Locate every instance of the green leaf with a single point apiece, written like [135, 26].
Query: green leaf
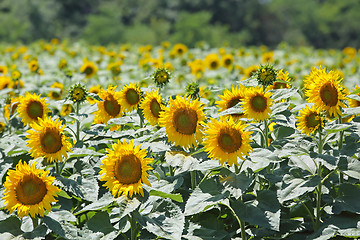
[337, 128]
[82, 152]
[176, 197]
[293, 188]
[62, 228]
[11, 225]
[38, 233]
[279, 107]
[204, 196]
[236, 184]
[104, 201]
[126, 206]
[165, 219]
[100, 222]
[304, 162]
[348, 199]
[352, 111]
[284, 93]
[350, 167]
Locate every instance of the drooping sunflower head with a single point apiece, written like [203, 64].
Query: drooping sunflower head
[78, 93]
[29, 190]
[226, 141]
[230, 98]
[48, 140]
[161, 77]
[124, 170]
[310, 120]
[182, 121]
[130, 97]
[89, 69]
[110, 106]
[327, 92]
[192, 89]
[266, 75]
[32, 108]
[257, 103]
[212, 61]
[152, 106]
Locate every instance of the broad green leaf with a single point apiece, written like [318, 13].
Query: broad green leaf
[284, 93]
[126, 205]
[11, 225]
[100, 222]
[82, 152]
[165, 219]
[350, 167]
[62, 215]
[337, 128]
[204, 196]
[104, 201]
[62, 228]
[279, 107]
[304, 162]
[293, 188]
[176, 197]
[236, 184]
[348, 199]
[197, 231]
[38, 233]
[352, 111]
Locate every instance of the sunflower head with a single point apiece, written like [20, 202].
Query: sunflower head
[230, 98]
[47, 140]
[226, 141]
[152, 106]
[77, 93]
[256, 104]
[266, 75]
[33, 66]
[62, 64]
[353, 102]
[179, 49]
[15, 75]
[192, 90]
[182, 121]
[3, 70]
[161, 77]
[124, 170]
[212, 61]
[32, 108]
[310, 120]
[28, 190]
[227, 61]
[66, 109]
[2, 127]
[130, 97]
[110, 107]
[89, 69]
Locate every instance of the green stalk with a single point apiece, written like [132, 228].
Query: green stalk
[241, 222]
[318, 188]
[341, 175]
[193, 179]
[133, 228]
[266, 133]
[77, 123]
[35, 222]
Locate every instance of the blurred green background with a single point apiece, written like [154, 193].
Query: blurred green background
[319, 23]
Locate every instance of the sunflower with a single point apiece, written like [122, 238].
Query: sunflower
[62, 64]
[89, 69]
[2, 127]
[256, 104]
[266, 75]
[212, 61]
[231, 98]
[15, 75]
[32, 108]
[309, 120]
[197, 68]
[179, 49]
[47, 140]
[182, 121]
[77, 93]
[151, 106]
[10, 107]
[130, 97]
[5, 82]
[326, 92]
[124, 169]
[66, 109]
[227, 61]
[282, 80]
[250, 71]
[29, 190]
[110, 106]
[226, 141]
[33, 66]
[3, 70]
[353, 102]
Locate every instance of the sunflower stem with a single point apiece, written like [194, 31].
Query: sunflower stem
[35, 222]
[133, 228]
[193, 179]
[266, 133]
[318, 188]
[57, 169]
[77, 123]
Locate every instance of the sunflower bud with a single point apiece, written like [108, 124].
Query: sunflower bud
[161, 77]
[78, 93]
[192, 89]
[266, 75]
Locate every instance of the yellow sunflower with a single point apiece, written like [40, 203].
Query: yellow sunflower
[10, 107]
[226, 141]
[326, 92]
[256, 104]
[227, 61]
[230, 99]
[29, 190]
[110, 106]
[32, 108]
[182, 121]
[3, 70]
[5, 82]
[33, 65]
[47, 140]
[179, 49]
[309, 120]
[353, 102]
[212, 61]
[125, 169]
[89, 69]
[2, 127]
[151, 106]
[66, 109]
[282, 80]
[130, 97]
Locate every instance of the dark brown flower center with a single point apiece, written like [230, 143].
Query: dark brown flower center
[329, 94]
[229, 140]
[111, 106]
[127, 169]
[185, 121]
[31, 190]
[50, 140]
[35, 109]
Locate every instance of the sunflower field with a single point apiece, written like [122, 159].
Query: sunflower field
[172, 142]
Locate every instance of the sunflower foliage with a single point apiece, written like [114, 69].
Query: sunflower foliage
[225, 157]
